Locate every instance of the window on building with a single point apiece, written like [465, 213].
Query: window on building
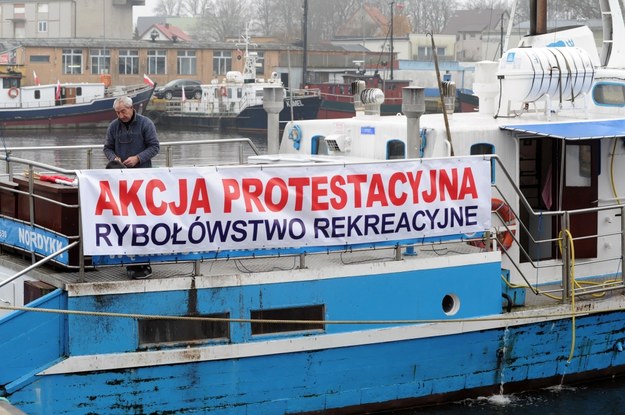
[19, 10]
[260, 62]
[222, 62]
[42, 26]
[128, 62]
[159, 331]
[186, 62]
[157, 62]
[42, 8]
[314, 313]
[72, 61]
[100, 61]
[40, 58]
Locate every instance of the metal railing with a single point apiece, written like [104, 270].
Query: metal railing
[564, 240]
[566, 260]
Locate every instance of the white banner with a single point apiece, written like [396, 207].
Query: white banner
[207, 209]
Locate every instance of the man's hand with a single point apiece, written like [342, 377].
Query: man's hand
[132, 161]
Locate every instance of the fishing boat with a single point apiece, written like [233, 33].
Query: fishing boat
[337, 98]
[63, 105]
[373, 263]
[235, 103]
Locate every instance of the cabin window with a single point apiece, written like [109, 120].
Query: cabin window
[159, 331]
[578, 165]
[10, 83]
[222, 61]
[609, 94]
[157, 62]
[395, 149]
[37, 94]
[100, 61]
[315, 314]
[485, 148]
[186, 62]
[72, 61]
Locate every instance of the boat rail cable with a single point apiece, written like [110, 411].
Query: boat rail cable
[495, 317]
[440, 92]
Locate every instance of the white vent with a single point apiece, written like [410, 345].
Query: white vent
[337, 143]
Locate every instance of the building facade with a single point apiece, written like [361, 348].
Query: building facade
[105, 19]
[123, 62]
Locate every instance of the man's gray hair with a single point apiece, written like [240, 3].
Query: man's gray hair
[126, 101]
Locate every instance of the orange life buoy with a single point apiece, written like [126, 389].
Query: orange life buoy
[223, 91]
[505, 238]
[14, 92]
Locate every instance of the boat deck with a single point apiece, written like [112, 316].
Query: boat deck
[60, 277]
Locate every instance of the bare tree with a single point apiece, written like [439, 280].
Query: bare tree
[225, 18]
[429, 15]
[168, 8]
[264, 11]
[487, 5]
[194, 8]
[326, 16]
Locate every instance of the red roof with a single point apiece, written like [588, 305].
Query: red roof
[170, 32]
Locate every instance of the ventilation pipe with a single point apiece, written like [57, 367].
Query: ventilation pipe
[357, 88]
[413, 107]
[273, 103]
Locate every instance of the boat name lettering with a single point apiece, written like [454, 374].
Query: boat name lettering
[294, 103]
[38, 241]
[276, 194]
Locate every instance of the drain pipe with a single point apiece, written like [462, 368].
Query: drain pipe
[273, 103]
[413, 107]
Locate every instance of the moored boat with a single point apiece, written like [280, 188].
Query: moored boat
[63, 105]
[236, 102]
[374, 263]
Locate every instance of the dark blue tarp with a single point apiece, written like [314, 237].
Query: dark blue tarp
[582, 130]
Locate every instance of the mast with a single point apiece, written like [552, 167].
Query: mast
[305, 38]
[391, 57]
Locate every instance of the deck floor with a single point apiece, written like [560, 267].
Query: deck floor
[59, 277]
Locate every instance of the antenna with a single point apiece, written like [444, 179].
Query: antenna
[249, 68]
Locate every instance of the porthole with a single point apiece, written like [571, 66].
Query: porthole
[450, 304]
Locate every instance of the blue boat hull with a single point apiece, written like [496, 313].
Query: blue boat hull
[356, 379]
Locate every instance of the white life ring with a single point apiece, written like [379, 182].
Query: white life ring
[13, 92]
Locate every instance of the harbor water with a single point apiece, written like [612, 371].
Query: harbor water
[606, 398]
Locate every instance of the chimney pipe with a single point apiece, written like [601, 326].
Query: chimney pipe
[413, 107]
[273, 102]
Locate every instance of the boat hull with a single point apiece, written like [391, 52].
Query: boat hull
[346, 380]
[252, 119]
[96, 113]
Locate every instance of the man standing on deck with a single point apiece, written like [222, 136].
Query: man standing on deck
[131, 140]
